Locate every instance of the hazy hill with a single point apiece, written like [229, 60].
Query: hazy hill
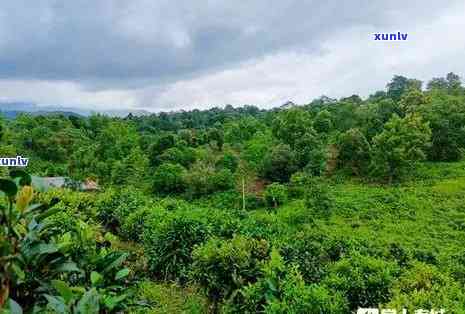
[12, 109]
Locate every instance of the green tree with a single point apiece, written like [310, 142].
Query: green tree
[402, 142]
[256, 148]
[372, 117]
[290, 125]
[310, 152]
[318, 196]
[279, 163]
[446, 117]
[353, 151]
[412, 100]
[437, 83]
[169, 179]
[451, 84]
[454, 84]
[322, 122]
[183, 155]
[228, 161]
[132, 169]
[203, 179]
[216, 135]
[161, 144]
[241, 130]
[187, 136]
[400, 84]
[275, 194]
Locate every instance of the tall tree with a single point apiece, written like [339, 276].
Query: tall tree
[412, 100]
[437, 83]
[402, 142]
[216, 135]
[290, 125]
[353, 151]
[400, 84]
[446, 117]
[279, 163]
[450, 84]
[454, 84]
[322, 122]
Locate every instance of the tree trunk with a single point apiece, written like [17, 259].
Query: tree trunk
[243, 193]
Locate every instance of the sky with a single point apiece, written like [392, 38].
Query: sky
[169, 55]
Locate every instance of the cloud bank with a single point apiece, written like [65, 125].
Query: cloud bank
[164, 55]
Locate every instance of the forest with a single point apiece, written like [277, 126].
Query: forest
[323, 207]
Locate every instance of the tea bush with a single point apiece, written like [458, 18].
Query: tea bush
[365, 281]
[221, 267]
[169, 243]
[281, 289]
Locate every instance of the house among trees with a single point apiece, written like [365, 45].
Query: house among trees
[65, 182]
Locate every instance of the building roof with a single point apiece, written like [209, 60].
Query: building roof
[66, 182]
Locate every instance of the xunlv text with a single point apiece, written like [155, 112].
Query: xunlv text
[390, 36]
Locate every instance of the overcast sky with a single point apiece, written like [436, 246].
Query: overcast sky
[169, 55]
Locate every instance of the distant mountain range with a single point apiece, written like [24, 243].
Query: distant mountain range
[12, 109]
[11, 114]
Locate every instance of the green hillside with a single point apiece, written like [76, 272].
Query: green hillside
[320, 208]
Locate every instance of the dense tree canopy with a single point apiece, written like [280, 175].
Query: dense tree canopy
[315, 208]
[403, 141]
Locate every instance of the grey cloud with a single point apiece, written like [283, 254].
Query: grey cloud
[130, 44]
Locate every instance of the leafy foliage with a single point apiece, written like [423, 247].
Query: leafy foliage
[366, 281]
[169, 179]
[402, 142]
[275, 194]
[223, 266]
[169, 244]
[36, 257]
[366, 211]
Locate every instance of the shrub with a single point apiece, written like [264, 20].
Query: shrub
[224, 223]
[222, 266]
[115, 205]
[318, 196]
[275, 194]
[253, 201]
[169, 243]
[281, 289]
[222, 180]
[312, 252]
[296, 297]
[354, 151]
[169, 179]
[183, 156]
[135, 223]
[37, 258]
[204, 180]
[82, 205]
[279, 163]
[298, 183]
[365, 281]
[424, 286]
[228, 161]
[172, 204]
[61, 222]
